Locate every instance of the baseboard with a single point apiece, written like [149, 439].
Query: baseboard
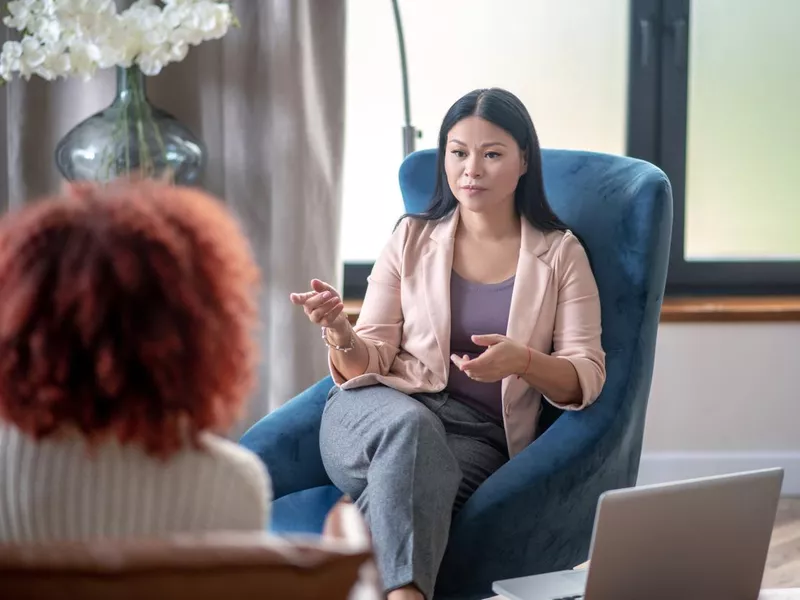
[659, 467]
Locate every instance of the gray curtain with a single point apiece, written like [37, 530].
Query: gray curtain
[268, 101]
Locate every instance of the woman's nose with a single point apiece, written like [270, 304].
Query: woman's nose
[473, 168]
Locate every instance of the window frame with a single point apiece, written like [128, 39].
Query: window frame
[657, 126]
[355, 279]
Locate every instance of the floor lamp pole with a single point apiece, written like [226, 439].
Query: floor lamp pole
[410, 132]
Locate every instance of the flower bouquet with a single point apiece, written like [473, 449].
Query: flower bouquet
[75, 38]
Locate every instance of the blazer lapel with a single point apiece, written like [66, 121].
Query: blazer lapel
[530, 287]
[437, 266]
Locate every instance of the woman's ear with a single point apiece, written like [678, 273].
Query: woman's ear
[523, 164]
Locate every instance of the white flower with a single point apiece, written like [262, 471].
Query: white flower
[33, 56]
[19, 14]
[83, 59]
[65, 38]
[215, 19]
[187, 35]
[53, 67]
[178, 51]
[48, 31]
[10, 59]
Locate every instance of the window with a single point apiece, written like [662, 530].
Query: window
[705, 89]
[566, 60]
[714, 96]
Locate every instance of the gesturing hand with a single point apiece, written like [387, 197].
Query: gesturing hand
[322, 304]
[502, 358]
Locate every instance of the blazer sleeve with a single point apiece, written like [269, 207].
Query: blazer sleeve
[576, 336]
[380, 323]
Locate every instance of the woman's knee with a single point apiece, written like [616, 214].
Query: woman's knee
[367, 417]
[417, 421]
[378, 405]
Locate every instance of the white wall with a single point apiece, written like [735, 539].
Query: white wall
[725, 397]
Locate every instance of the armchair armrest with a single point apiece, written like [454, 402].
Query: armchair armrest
[287, 441]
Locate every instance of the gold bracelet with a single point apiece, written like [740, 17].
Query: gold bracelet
[339, 348]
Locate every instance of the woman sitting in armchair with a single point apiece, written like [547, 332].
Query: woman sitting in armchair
[474, 312]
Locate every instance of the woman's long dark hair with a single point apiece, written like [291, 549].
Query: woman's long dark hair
[505, 110]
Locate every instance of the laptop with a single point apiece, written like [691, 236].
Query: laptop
[700, 539]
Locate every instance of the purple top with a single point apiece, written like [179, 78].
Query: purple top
[476, 309]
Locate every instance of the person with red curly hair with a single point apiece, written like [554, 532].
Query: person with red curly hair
[126, 320]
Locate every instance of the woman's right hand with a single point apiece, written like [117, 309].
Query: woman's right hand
[323, 305]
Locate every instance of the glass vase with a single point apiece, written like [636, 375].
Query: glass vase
[131, 138]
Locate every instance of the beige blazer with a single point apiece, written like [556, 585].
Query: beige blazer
[405, 318]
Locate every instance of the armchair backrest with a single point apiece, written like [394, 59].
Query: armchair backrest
[621, 208]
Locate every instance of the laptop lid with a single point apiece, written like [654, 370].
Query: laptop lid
[695, 539]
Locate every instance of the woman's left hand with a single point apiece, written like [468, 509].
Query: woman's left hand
[504, 357]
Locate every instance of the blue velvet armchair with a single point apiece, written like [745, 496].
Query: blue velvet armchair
[535, 514]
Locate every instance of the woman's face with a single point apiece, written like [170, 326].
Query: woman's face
[483, 164]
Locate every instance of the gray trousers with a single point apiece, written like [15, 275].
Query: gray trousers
[409, 463]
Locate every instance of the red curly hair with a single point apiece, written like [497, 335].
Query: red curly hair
[127, 310]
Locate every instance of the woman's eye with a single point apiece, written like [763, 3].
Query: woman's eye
[458, 153]
[492, 154]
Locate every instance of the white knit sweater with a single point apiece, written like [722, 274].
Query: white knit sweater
[54, 490]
